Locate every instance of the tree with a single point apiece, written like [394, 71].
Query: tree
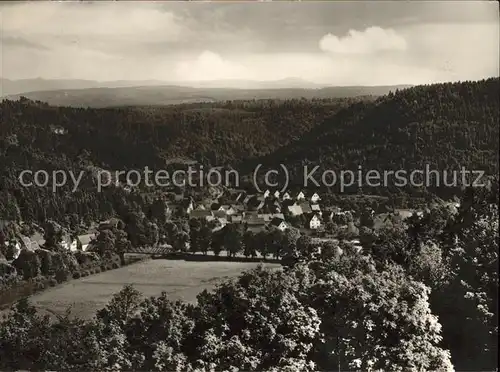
[159, 333]
[249, 249]
[53, 235]
[232, 239]
[205, 238]
[373, 320]
[28, 264]
[105, 242]
[122, 307]
[233, 331]
[468, 301]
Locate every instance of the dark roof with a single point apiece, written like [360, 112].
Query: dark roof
[215, 206]
[220, 214]
[306, 208]
[255, 221]
[276, 221]
[200, 214]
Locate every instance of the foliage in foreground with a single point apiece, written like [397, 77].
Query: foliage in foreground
[341, 312]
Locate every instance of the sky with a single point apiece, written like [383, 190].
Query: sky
[329, 43]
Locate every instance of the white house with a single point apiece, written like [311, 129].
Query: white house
[279, 224]
[300, 196]
[267, 193]
[286, 196]
[228, 209]
[276, 194]
[86, 240]
[190, 207]
[314, 223]
[315, 198]
[17, 249]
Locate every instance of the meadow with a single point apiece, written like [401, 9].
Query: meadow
[181, 280]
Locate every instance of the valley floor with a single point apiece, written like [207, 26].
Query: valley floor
[181, 280]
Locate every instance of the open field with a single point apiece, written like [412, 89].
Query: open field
[181, 280]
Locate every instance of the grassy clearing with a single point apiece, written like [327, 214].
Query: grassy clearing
[181, 280]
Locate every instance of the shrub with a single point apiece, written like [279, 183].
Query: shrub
[52, 282]
[76, 275]
[61, 276]
[40, 279]
[115, 265]
[45, 257]
[103, 267]
[86, 273]
[97, 269]
[40, 286]
[7, 270]
[27, 264]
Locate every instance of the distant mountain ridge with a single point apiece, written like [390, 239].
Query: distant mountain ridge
[13, 87]
[86, 93]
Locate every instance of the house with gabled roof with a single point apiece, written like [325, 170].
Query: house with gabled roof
[228, 209]
[254, 220]
[314, 222]
[286, 196]
[86, 240]
[236, 218]
[267, 193]
[266, 216]
[110, 224]
[202, 214]
[314, 198]
[255, 229]
[278, 223]
[276, 194]
[300, 196]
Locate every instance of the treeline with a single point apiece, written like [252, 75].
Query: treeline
[416, 293]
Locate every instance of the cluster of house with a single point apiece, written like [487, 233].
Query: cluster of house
[258, 212]
[36, 241]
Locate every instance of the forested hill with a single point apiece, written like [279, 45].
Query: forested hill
[447, 126]
[121, 138]
[36, 136]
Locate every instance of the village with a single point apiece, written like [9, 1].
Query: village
[256, 213]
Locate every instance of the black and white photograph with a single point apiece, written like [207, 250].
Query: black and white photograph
[207, 186]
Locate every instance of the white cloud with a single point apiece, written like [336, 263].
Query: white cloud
[371, 40]
[57, 22]
[210, 66]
